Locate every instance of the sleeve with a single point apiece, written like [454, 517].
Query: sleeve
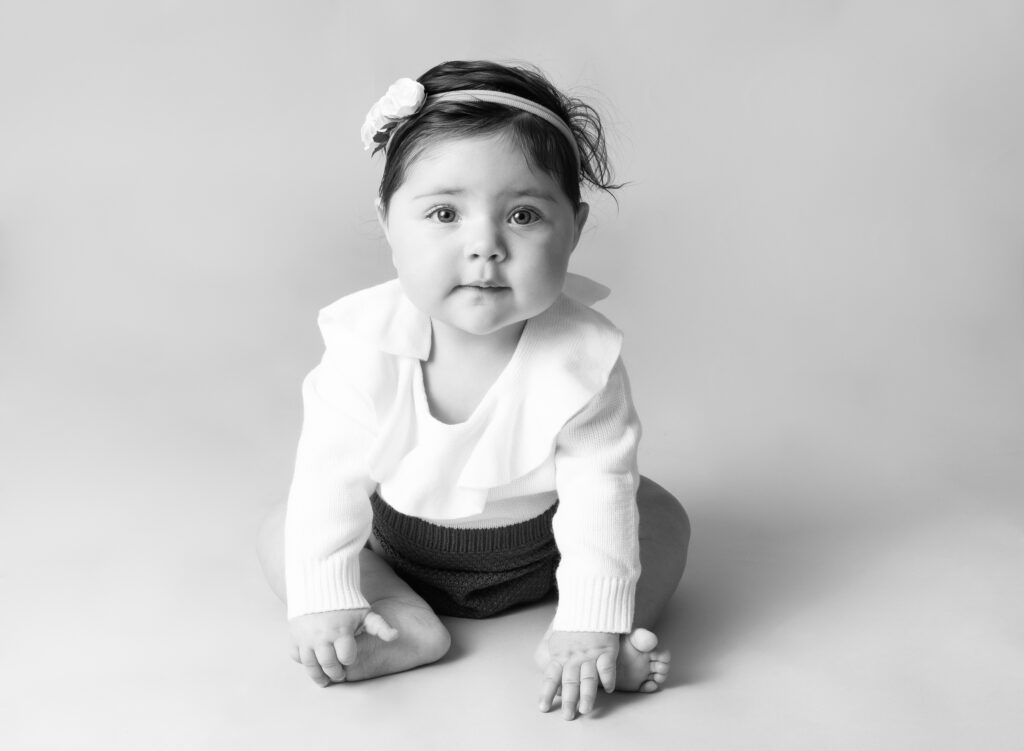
[329, 517]
[596, 524]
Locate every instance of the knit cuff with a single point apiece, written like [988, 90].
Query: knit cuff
[602, 604]
[317, 587]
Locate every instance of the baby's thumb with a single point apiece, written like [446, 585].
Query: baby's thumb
[375, 624]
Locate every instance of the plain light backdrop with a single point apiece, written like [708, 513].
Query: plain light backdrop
[817, 261]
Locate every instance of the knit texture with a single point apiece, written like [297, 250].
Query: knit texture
[469, 573]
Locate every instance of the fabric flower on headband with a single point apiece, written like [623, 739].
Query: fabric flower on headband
[403, 98]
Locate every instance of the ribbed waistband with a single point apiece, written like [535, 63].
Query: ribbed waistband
[415, 531]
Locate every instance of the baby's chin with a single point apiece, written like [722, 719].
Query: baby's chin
[491, 315]
[491, 328]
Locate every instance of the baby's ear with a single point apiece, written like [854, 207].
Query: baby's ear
[581, 220]
[381, 219]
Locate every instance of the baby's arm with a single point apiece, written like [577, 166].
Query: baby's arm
[327, 524]
[596, 529]
[325, 643]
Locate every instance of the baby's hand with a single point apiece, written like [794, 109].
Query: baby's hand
[326, 642]
[577, 660]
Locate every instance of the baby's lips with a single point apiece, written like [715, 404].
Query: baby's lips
[485, 284]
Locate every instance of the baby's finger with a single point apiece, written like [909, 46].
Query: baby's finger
[375, 624]
[570, 691]
[588, 686]
[293, 652]
[313, 669]
[328, 660]
[345, 649]
[552, 684]
[606, 669]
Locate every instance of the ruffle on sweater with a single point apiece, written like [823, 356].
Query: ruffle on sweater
[562, 361]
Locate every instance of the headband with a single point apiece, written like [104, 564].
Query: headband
[406, 97]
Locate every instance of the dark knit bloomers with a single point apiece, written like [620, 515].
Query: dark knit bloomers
[470, 573]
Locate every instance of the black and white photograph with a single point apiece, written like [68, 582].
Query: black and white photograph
[456, 375]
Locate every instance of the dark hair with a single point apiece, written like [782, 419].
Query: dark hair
[545, 146]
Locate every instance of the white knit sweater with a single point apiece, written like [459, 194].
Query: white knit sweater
[558, 422]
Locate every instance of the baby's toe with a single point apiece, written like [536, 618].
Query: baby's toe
[649, 687]
[643, 640]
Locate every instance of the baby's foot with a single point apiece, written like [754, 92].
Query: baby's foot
[640, 667]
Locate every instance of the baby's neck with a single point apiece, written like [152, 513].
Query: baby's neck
[462, 368]
[448, 342]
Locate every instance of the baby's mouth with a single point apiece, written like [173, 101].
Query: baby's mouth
[484, 286]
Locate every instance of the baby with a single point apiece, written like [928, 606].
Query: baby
[469, 441]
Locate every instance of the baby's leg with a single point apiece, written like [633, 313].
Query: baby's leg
[664, 538]
[422, 638]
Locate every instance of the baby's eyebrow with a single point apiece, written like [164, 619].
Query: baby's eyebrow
[528, 193]
[513, 194]
[440, 192]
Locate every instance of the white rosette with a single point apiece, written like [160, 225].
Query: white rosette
[403, 98]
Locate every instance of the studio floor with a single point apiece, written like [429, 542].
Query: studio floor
[131, 627]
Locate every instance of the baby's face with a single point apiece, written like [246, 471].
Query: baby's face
[480, 238]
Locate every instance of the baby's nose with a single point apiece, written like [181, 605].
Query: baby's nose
[486, 243]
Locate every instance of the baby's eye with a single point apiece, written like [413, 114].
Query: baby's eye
[524, 216]
[443, 214]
